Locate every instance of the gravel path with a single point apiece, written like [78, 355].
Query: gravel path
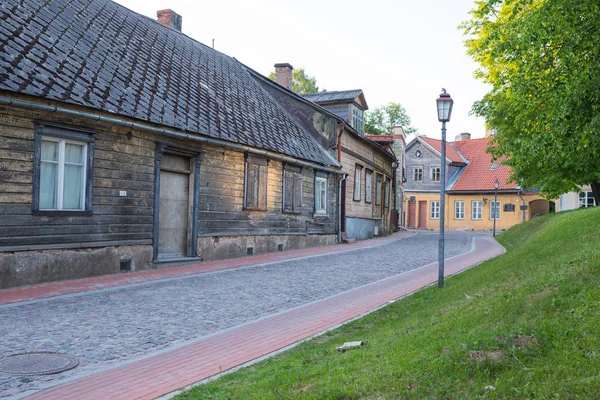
[105, 328]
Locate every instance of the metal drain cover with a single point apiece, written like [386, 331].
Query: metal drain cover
[29, 364]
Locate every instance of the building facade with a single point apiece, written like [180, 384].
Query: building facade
[471, 201]
[134, 154]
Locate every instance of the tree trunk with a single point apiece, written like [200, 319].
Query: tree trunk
[596, 191]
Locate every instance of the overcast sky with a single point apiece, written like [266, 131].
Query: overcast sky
[395, 50]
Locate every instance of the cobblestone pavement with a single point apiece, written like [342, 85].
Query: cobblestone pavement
[110, 327]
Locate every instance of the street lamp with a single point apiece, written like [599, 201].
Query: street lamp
[496, 184]
[444, 109]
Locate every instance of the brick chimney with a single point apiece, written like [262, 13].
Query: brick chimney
[283, 74]
[465, 136]
[170, 19]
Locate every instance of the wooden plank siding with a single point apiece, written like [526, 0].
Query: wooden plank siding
[124, 161]
[221, 206]
[355, 153]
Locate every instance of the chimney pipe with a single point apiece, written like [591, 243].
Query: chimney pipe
[283, 74]
[465, 136]
[170, 19]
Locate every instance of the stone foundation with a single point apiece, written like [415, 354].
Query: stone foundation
[212, 248]
[33, 267]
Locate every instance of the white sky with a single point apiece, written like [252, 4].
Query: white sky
[395, 50]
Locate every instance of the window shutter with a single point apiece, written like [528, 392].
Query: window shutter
[288, 196]
[297, 192]
[262, 185]
[251, 186]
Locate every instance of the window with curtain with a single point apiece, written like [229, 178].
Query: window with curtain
[321, 195]
[436, 173]
[357, 179]
[62, 174]
[418, 174]
[368, 186]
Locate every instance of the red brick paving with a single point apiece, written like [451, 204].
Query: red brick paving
[60, 288]
[166, 372]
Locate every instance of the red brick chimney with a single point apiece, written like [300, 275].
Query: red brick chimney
[283, 74]
[170, 19]
[465, 136]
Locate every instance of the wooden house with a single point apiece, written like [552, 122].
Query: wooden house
[125, 144]
[335, 119]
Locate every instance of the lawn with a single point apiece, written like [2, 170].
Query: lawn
[523, 325]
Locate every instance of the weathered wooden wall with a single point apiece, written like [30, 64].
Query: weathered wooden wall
[221, 208]
[119, 164]
[127, 164]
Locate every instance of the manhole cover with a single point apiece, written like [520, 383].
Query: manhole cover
[29, 364]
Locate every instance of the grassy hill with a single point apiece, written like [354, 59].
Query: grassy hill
[523, 325]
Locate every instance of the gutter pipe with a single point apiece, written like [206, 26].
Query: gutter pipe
[339, 206]
[7, 101]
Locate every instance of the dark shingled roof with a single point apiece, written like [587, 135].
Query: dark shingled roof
[328, 97]
[98, 54]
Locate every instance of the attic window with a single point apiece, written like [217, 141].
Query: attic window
[418, 154]
[494, 167]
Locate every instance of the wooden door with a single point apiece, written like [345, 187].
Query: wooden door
[412, 214]
[174, 206]
[422, 214]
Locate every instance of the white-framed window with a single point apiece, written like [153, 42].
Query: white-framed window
[357, 181]
[418, 174]
[63, 172]
[357, 120]
[320, 195]
[368, 186]
[459, 209]
[434, 211]
[477, 210]
[436, 173]
[495, 210]
[586, 199]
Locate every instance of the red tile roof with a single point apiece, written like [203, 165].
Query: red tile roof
[477, 175]
[451, 154]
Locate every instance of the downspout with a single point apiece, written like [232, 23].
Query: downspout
[339, 206]
[29, 105]
[340, 127]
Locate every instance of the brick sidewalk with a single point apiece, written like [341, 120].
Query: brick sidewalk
[174, 369]
[52, 289]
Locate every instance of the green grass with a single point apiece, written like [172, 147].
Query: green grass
[526, 323]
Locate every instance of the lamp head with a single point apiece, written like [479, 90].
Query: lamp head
[444, 106]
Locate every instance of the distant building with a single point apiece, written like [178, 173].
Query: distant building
[470, 176]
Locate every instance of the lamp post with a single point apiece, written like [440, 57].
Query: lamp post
[496, 184]
[444, 109]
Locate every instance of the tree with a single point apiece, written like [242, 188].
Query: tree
[382, 119]
[301, 82]
[541, 58]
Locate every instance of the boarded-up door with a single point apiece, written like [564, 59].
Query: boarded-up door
[412, 214]
[423, 214]
[174, 206]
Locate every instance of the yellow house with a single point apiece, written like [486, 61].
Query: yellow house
[471, 201]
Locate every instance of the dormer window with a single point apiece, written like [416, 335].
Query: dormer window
[357, 120]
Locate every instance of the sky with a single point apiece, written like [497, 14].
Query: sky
[401, 51]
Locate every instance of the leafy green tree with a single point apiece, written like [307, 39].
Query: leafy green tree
[542, 59]
[382, 119]
[301, 82]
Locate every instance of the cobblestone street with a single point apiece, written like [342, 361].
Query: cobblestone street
[110, 327]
